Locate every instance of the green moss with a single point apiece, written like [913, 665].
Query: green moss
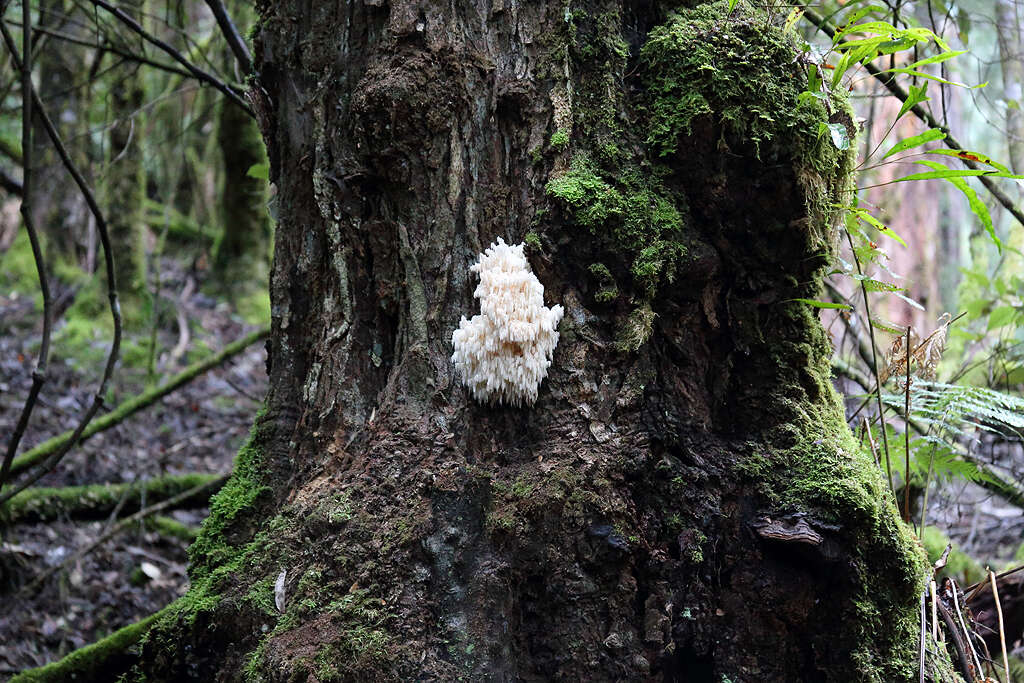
[737, 70]
[608, 289]
[104, 660]
[95, 500]
[532, 240]
[240, 493]
[808, 462]
[560, 140]
[633, 212]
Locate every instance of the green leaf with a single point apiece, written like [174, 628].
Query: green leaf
[840, 138]
[732, 5]
[1001, 316]
[883, 27]
[857, 15]
[930, 135]
[260, 170]
[977, 206]
[909, 301]
[824, 304]
[873, 285]
[956, 173]
[924, 74]
[878, 225]
[935, 59]
[976, 157]
[915, 96]
[887, 327]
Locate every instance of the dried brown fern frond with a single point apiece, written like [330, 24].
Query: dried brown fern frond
[928, 353]
[896, 357]
[925, 354]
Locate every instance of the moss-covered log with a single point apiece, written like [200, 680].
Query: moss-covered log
[684, 501]
[104, 660]
[96, 501]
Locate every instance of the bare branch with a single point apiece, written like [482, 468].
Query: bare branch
[39, 373]
[235, 41]
[174, 54]
[108, 255]
[113, 49]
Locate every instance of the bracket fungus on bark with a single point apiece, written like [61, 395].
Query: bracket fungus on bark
[504, 352]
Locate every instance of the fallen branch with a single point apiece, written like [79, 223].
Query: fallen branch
[137, 403]
[97, 500]
[172, 528]
[204, 489]
[104, 660]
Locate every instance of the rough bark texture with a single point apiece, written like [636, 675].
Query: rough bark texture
[684, 501]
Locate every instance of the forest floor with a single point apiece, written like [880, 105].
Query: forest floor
[196, 429]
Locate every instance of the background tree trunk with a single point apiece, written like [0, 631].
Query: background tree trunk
[125, 178]
[684, 501]
[242, 252]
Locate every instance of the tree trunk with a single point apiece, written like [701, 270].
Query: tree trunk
[126, 180]
[64, 217]
[684, 501]
[242, 253]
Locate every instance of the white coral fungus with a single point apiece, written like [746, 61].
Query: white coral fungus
[504, 353]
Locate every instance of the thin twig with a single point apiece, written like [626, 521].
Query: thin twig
[231, 34]
[976, 661]
[113, 49]
[976, 588]
[954, 633]
[39, 373]
[175, 55]
[101, 228]
[935, 622]
[906, 442]
[874, 365]
[1002, 632]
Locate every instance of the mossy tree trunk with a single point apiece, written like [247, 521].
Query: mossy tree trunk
[63, 216]
[242, 252]
[683, 502]
[125, 177]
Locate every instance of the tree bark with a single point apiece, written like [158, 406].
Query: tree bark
[684, 501]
